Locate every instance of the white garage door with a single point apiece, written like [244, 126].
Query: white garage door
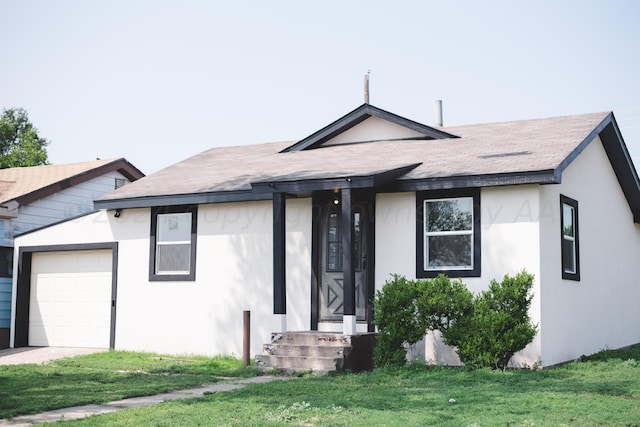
[70, 300]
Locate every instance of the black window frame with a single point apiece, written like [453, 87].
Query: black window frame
[421, 197]
[567, 275]
[191, 276]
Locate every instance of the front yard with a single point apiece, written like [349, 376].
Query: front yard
[603, 391]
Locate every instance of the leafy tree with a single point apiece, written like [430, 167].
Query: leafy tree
[20, 144]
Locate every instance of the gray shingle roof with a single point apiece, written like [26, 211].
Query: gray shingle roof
[527, 147]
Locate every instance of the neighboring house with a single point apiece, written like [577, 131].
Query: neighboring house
[33, 197]
[177, 256]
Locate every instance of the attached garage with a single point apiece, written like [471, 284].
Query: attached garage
[70, 299]
[66, 296]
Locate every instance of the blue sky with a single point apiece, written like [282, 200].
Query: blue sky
[158, 81]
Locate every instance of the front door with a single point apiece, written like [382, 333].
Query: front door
[330, 277]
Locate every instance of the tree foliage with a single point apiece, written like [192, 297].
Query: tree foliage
[20, 144]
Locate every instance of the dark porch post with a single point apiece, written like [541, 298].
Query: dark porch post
[279, 253]
[348, 271]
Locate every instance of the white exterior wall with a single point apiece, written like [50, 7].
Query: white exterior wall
[234, 272]
[509, 244]
[64, 204]
[601, 310]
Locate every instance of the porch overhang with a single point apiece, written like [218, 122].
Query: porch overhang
[306, 183]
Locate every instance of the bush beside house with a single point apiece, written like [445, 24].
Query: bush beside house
[486, 329]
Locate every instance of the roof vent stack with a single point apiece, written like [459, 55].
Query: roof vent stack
[366, 87]
[439, 113]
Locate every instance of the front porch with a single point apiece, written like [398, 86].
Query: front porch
[319, 352]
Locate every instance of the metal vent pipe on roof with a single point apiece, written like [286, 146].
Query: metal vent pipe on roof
[439, 113]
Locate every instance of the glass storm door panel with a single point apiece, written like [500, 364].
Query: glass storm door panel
[331, 298]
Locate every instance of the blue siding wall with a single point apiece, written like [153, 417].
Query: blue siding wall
[5, 302]
[5, 288]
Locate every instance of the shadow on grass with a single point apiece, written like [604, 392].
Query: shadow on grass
[628, 353]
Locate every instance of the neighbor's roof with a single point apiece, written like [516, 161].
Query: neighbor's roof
[528, 151]
[27, 184]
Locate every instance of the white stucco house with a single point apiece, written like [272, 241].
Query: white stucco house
[32, 197]
[170, 262]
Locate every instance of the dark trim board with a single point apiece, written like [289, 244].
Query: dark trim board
[181, 199]
[23, 292]
[386, 182]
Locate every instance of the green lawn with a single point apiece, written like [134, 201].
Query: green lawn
[603, 391]
[104, 377]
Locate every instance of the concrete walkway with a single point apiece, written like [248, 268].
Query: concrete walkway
[18, 356]
[133, 402]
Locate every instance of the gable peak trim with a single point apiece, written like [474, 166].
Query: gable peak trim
[357, 116]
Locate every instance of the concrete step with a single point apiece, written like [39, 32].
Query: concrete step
[318, 351]
[298, 363]
[325, 339]
[281, 349]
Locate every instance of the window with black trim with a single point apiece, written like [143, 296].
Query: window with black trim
[569, 238]
[448, 233]
[6, 261]
[173, 243]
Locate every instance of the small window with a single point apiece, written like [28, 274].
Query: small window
[6, 261]
[569, 238]
[173, 242]
[448, 233]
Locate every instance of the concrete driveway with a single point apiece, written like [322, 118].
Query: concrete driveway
[17, 356]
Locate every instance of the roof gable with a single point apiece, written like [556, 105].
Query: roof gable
[340, 131]
[27, 184]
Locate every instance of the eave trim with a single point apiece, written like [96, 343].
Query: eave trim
[181, 199]
[372, 180]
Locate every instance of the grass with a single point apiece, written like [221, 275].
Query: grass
[601, 390]
[104, 377]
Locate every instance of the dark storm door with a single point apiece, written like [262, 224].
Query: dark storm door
[331, 294]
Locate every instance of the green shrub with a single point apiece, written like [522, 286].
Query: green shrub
[443, 302]
[486, 329]
[396, 316]
[499, 325]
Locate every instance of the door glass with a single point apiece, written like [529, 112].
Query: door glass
[331, 302]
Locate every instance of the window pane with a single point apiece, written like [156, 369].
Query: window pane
[175, 227]
[334, 256]
[567, 220]
[568, 256]
[449, 215]
[449, 251]
[173, 259]
[357, 241]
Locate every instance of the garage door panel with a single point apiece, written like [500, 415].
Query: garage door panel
[70, 302]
